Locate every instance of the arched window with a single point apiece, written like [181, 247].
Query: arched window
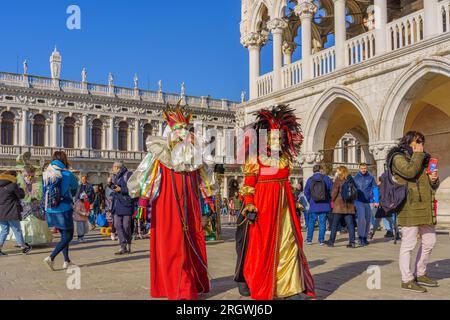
[97, 127]
[147, 132]
[39, 131]
[7, 128]
[69, 133]
[123, 136]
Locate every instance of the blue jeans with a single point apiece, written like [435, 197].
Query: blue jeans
[306, 217]
[337, 222]
[63, 245]
[313, 216]
[364, 218]
[389, 223]
[17, 230]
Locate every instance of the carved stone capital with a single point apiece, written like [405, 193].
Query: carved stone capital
[311, 158]
[381, 150]
[305, 9]
[277, 24]
[254, 39]
[289, 47]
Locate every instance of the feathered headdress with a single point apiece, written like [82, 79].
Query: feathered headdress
[177, 117]
[282, 118]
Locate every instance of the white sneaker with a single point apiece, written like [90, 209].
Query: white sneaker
[338, 233]
[49, 263]
[328, 232]
[67, 265]
[113, 237]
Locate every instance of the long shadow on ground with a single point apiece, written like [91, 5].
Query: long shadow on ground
[328, 282]
[439, 270]
[117, 260]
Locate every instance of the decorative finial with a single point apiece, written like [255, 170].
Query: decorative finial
[110, 79]
[136, 81]
[160, 87]
[243, 93]
[84, 75]
[25, 67]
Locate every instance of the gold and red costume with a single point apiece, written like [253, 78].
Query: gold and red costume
[173, 184]
[270, 253]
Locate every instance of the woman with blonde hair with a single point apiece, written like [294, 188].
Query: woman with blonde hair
[343, 205]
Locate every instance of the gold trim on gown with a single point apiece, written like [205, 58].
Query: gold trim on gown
[289, 273]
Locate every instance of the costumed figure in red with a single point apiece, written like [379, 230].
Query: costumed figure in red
[172, 181]
[271, 263]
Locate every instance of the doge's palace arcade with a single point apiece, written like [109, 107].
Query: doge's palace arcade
[372, 69]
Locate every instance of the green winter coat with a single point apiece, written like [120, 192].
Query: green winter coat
[419, 208]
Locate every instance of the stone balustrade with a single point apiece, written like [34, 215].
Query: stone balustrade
[69, 86]
[396, 35]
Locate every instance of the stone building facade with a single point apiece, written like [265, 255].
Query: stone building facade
[372, 69]
[95, 124]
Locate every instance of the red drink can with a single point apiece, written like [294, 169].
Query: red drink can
[433, 166]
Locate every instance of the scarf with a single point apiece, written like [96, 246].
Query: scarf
[52, 173]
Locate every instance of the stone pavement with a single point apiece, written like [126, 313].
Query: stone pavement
[339, 273]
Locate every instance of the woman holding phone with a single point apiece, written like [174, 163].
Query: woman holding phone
[410, 166]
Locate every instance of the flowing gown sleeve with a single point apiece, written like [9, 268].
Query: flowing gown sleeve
[145, 181]
[251, 171]
[208, 184]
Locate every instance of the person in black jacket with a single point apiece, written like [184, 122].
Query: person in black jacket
[122, 206]
[10, 210]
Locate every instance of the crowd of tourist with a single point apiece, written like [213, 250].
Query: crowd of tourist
[34, 207]
[31, 206]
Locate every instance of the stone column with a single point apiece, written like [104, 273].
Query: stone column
[430, 18]
[104, 137]
[380, 150]
[288, 51]
[77, 136]
[340, 32]
[137, 135]
[47, 133]
[111, 144]
[254, 41]
[225, 187]
[277, 26]
[55, 128]
[308, 161]
[84, 133]
[160, 129]
[24, 128]
[381, 20]
[16, 138]
[306, 10]
[129, 139]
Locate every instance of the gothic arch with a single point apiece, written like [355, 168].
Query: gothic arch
[402, 93]
[257, 13]
[319, 117]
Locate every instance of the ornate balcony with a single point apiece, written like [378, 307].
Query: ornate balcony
[75, 154]
[396, 35]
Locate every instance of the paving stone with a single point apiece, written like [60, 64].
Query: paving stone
[339, 273]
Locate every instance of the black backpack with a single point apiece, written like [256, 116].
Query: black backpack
[349, 192]
[392, 194]
[319, 190]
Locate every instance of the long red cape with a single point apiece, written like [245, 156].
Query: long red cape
[178, 254]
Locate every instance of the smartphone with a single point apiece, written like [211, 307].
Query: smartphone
[433, 165]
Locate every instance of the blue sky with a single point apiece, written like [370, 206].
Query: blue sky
[192, 41]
